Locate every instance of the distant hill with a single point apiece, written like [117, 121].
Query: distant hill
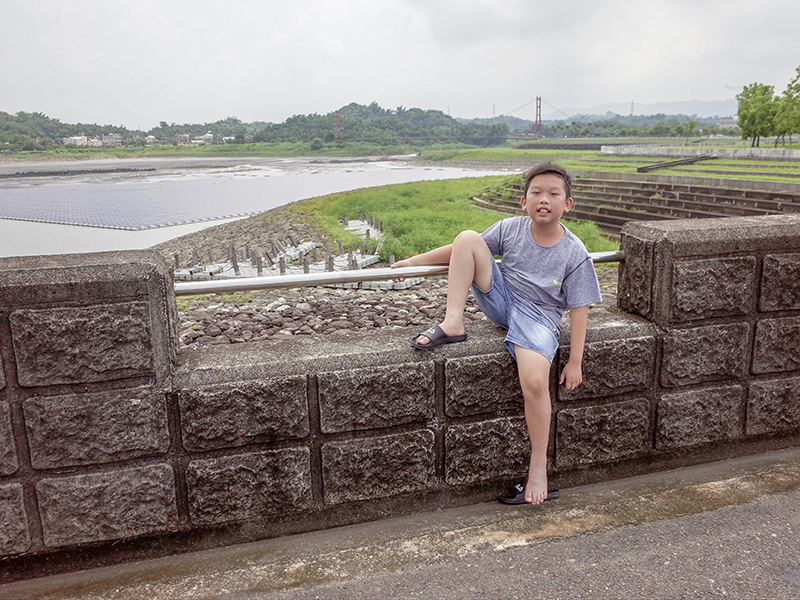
[698, 108]
[661, 111]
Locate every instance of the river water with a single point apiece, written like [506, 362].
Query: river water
[123, 204]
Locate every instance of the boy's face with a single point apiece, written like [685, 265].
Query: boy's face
[546, 200]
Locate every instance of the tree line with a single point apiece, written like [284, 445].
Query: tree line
[36, 131]
[763, 113]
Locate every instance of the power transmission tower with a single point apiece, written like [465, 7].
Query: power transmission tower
[337, 130]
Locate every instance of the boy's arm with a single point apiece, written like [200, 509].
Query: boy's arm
[572, 375]
[439, 256]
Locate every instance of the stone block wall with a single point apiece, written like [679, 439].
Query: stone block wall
[87, 347]
[112, 448]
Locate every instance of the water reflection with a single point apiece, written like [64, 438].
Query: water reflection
[63, 208]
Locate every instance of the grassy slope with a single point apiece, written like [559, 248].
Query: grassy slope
[424, 215]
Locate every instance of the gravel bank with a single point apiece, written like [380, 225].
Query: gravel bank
[281, 314]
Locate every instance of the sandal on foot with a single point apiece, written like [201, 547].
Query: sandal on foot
[516, 495]
[437, 338]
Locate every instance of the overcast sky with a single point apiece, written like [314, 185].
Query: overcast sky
[139, 62]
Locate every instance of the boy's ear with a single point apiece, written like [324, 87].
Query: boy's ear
[570, 203]
[522, 202]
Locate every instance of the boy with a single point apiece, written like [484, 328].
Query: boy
[545, 269]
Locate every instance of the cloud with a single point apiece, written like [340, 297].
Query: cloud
[138, 62]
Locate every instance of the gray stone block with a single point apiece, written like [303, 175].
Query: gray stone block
[635, 289]
[14, 536]
[378, 467]
[234, 414]
[773, 406]
[100, 278]
[600, 434]
[776, 347]
[707, 353]
[83, 278]
[249, 486]
[690, 291]
[8, 448]
[82, 344]
[701, 416]
[714, 287]
[376, 397]
[481, 384]
[486, 450]
[113, 505]
[780, 282]
[2, 374]
[95, 428]
[613, 367]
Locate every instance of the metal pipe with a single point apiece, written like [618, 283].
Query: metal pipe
[242, 284]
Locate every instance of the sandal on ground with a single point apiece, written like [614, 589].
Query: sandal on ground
[516, 495]
[437, 338]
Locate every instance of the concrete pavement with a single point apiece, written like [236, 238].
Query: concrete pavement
[729, 529]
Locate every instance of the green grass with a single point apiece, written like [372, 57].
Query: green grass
[504, 153]
[424, 215]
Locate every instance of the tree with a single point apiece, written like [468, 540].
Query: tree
[757, 110]
[689, 127]
[787, 118]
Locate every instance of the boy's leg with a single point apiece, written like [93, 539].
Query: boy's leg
[470, 262]
[534, 377]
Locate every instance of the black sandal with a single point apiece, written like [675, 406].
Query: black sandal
[437, 338]
[516, 495]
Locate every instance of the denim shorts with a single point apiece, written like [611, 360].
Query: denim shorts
[526, 327]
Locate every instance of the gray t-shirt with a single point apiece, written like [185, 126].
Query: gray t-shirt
[550, 279]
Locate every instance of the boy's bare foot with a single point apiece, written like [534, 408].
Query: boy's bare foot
[536, 487]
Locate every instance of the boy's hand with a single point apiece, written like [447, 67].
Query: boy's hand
[399, 264]
[571, 376]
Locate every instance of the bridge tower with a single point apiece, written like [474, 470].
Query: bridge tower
[537, 125]
[337, 129]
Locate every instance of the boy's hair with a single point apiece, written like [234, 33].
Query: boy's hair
[548, 168]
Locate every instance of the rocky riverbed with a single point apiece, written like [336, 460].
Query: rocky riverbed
[280, 314]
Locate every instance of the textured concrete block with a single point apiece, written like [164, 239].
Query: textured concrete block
[613, 367]
[2, 374]
[706, 353]
[376, 397]
[776, 347]
[101, 427]
[378, 467]
[780, 282]
[8, 448]
[14, 536]
[82, 344]
[481, 384]
[773, 406]
[713, 287]
[635, 290]
[599, 434]
[701, 416]
[244, 412]
[249, 486]
[486, 450]
[113, 505]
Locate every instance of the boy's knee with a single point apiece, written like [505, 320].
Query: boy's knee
[535, 387]
[535, 383]
[468, 237]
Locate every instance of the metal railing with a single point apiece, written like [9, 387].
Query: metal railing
[242, 284]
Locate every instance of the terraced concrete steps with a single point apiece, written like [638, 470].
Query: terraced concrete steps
[613, 202]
